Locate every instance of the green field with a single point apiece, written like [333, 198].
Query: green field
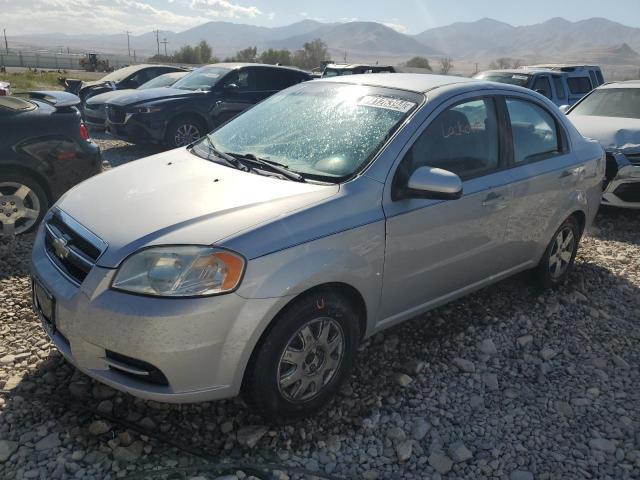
[40, 80]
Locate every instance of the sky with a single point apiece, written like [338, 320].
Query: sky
[408, 16]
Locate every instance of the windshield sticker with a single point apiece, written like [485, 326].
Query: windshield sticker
[519, 77]
[388, 103]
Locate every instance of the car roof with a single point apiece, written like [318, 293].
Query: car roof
[622, 84]
[561, 65]
[234, 65]
[415, 82]
[347, 66]
[522, 71]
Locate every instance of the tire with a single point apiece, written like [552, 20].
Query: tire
[558, 258]
[184, 130]
[23, 203]
[278, 388]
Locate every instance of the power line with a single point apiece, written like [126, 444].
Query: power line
[128, 44]
[6, 44]
[164, 42]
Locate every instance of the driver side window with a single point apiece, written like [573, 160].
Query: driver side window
[463, 139]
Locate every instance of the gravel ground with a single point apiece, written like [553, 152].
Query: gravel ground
[508, 383]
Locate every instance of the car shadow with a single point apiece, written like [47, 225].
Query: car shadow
[617, 224]
[54, 398]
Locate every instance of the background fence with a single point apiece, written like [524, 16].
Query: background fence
[55, 61]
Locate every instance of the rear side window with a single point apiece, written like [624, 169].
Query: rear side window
[543, 85]
[594, 80]
[462, 140]
[534, 130]
[599, 77]
[560, 92]
[272, 80]
[579, 85]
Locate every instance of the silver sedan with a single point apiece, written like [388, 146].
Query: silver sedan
[256, 260]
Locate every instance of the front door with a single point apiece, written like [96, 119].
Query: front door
[436, 249]
[236, 94]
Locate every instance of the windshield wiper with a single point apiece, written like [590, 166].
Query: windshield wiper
[278, 167]
[230, 159]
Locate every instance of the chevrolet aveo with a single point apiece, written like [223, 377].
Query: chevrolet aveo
[257, 259]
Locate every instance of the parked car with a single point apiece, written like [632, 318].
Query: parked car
[130, 77]
[196, 104]
[44, 150]
[338, 69]
[256, 260]
[5, 89]
[95, 114]
[581, 79]
[611, 115]
[563, 85]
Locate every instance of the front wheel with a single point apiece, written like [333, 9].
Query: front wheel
[184, 131]
[23, 203]
[560, 254]
[303, 359]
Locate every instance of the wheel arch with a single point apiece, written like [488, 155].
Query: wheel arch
[13, 168]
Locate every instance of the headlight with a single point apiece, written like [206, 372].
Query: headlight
[155, 108]
[180, 271]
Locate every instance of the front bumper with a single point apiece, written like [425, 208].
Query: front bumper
[624, 189]
[138, 130]
[95, 118]
[200, 346]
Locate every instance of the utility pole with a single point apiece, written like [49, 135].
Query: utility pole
[345, 56]
[6, 44]
[164, 42]
[476, 68]
[128, 44]
[157, 32]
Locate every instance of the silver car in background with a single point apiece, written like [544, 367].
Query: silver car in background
[256, 260]
[611, 115]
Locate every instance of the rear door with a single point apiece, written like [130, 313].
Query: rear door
[437, 249]
[543, 173]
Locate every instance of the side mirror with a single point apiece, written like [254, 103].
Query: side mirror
[433, 183]
[231, 87]
[565, 108]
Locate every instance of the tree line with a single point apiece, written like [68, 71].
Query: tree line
[310, 56]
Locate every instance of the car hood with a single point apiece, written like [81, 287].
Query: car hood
[105, 97]
[178, 198]
[151, 94]
[620, 134]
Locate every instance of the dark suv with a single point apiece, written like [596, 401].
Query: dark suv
[197, 103]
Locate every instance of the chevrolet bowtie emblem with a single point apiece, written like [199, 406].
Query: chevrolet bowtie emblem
[60, 248]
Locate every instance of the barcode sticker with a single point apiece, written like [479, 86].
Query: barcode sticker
[389, 103]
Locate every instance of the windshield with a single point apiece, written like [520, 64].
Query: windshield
[203, 78]
[611, 102]
[163, 80]
[326, 130]
[335, 72]
[511, 78]
[121, 74]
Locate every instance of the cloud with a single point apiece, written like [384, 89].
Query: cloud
[271, 15]
[114, 16]
[348, 19]
[224, 8]
[396, 26]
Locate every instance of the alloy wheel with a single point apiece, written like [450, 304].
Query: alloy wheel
[19, 208]
[311, 359]
[185, 134]
[561, 252]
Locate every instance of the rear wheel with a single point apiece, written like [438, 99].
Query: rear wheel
[183, 131]
[304, 358]
[23, 203]
[560, 254]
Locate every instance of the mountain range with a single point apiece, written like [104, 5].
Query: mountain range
[554, 40]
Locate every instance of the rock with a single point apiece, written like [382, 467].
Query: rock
[77, 455]
[147, 423]
[547, 354]
[521, 475]
[564, 408]
[603, 445]
[99, 427]
[620, 362]
[79, 389]
[391, 343]
[129, 454]
[403, 379]
[7, 359]
[476, 401]
[488, 347]
[459, 452]
[419, 429]
[226, 427]
[105, 406]
[13, 382]
[7, 448]
[370, 475]
[404, 450]
[48, 442]
[525, 340]
[396, 434]
[103, 392]
[464, 365]
[249, 436]
[414, 367]
[490, 380]
[440, 462]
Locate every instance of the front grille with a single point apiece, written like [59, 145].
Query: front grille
[628, 192]
[116, 114]
[71, 247]
[134, 368]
